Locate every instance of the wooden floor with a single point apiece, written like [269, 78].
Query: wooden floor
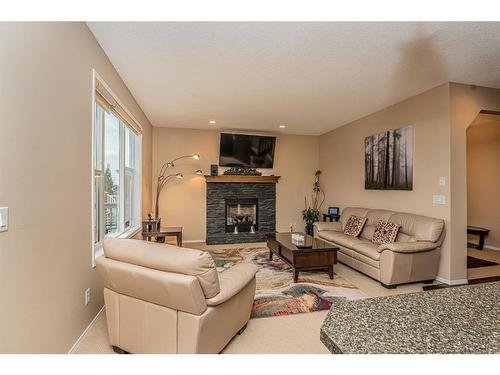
[481, 274]
[484, 272]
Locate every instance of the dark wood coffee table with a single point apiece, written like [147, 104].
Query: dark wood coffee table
[320, 256]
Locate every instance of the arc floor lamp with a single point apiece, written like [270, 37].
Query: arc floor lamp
[163, 178]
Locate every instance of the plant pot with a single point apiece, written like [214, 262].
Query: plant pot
[309, 229]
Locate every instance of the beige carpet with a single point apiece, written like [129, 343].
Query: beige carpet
[291, 334]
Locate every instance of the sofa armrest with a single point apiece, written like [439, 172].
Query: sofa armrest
[232, 281]
[328, 225]
[408, 247]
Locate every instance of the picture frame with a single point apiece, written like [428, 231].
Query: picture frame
[389, 160]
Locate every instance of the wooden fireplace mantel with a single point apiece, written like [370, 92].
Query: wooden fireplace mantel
[246, 179]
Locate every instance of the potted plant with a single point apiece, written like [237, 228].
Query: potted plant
[311, 213]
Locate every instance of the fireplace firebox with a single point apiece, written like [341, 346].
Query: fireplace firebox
[242, 215]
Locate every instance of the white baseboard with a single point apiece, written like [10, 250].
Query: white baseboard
[492, 247]
[82, 336]
[452, 282]
[489, 247]
[193, 241]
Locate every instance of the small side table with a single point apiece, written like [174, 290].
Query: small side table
[331, 217]
[160, 235]
[481, 232]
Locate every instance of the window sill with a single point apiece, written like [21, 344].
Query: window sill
[99, 253]
[131, 232]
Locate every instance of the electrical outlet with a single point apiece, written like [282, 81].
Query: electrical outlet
[442, 181]
[87, 296]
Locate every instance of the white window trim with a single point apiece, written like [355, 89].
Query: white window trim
[132, 231]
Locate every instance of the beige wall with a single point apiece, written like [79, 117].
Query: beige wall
[183, 202]
[45, 180]
[465, 103]
[483, 179]
[342, 160]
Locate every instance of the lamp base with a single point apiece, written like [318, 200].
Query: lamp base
[151, 225]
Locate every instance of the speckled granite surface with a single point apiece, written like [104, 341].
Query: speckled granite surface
[463, 319]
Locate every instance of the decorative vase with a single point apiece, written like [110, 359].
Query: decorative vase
[309, 229]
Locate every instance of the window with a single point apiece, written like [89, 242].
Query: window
[116, 164]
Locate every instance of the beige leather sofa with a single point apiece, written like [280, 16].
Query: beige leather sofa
[413, 257]
[166, 299]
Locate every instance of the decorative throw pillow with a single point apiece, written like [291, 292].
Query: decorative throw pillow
[385, 232]
[354, 225]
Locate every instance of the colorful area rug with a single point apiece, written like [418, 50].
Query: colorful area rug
[276, 294]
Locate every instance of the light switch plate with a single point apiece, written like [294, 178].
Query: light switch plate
[438, 199]
[442, 181]
[87, 296]
[4, 219]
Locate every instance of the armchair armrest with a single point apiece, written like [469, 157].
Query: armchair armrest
[232, 281]
[408, 247]
[328, 225]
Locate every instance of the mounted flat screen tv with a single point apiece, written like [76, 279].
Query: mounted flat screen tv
[242, 150]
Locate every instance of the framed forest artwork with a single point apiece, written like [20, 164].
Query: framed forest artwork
[389, 160]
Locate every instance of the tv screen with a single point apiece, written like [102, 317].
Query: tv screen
[241, 150]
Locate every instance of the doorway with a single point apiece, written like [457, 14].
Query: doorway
[483, 196]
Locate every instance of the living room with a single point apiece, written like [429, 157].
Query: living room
[249, 187]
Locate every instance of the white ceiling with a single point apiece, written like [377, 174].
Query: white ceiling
[313, 77]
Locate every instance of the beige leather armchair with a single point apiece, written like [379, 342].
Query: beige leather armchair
[166, 299]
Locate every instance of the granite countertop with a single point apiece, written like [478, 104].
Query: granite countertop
[464, 319]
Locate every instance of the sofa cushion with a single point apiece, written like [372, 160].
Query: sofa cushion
[348, 211]
[367, 232]
[385, 232]
[354, 225]
[422, 227]
[346, 251]
[367, 249]
[408, 247]
[232, 281]
[168, 258]
[328, 225]
[358, 256]
[374, 216]
[340, 238]
[402, 237]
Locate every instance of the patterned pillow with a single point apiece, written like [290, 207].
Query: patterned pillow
[385, 232]
[354, 225]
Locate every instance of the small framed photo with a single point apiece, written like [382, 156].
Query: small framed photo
[333, 211]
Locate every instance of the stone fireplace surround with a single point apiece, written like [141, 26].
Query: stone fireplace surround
[222, 188]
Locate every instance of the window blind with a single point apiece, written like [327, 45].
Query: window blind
[107, 100]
